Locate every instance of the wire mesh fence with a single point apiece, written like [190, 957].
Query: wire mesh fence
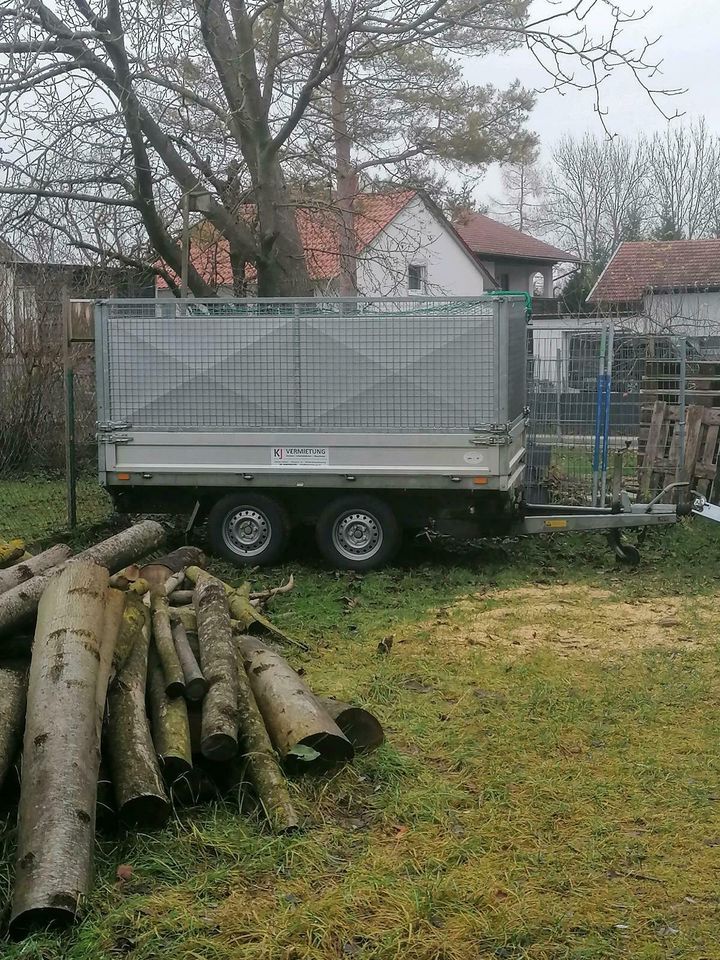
[33, 486]
[596, 391]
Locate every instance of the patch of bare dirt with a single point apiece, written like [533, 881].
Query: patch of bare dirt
[575, 620]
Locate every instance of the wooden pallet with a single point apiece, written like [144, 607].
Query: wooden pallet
[660, 463]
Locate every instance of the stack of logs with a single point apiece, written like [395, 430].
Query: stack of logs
[145, 688]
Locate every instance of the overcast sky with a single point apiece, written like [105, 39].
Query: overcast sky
[690, 48]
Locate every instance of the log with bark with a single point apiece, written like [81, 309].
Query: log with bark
[19, 605]
[26, 569]
[164, 643]
[219, 665]
[78, 620]
[301, 730]
[13, 687]
[180, 598]
[242, 610]
[169, 724]
[362, 728]
[138, 786]
[159, 571]
[262, 765]
[196, 685]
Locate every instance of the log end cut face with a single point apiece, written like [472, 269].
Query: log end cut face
[318, 752]
[146, 812]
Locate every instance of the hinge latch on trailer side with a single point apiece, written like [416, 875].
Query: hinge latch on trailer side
[108, 426]
[491, 435]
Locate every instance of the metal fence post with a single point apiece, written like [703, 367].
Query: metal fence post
[558, 393]
[682, 346]
[69, 394]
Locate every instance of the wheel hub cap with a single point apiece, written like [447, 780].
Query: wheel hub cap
[247, 531]
[357, 535]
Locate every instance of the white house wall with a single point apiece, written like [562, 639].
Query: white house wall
[415, 236]
[692, 314]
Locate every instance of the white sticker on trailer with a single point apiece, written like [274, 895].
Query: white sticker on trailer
[300, 456]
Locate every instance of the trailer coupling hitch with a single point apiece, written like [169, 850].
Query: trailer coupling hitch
[701, 507]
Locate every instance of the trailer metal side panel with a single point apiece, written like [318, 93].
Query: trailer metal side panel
[312, 389]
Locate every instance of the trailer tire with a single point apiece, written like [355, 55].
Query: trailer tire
[248, 529]
[358, 533]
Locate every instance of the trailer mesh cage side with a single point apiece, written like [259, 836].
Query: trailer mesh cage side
[395, 365]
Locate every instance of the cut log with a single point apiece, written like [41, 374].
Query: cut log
[195, 683]
[138, 786]
[162, 635]
[362, 728]
[61, 748]
[180, 598]
[241, 609]
[19, 605]
[157, 572]
[169, 722]
[262, 765]
[302, 732]
[219, 664]
[41, 563]
[13, 687]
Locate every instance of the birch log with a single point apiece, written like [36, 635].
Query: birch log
[219, 664]
[139, 791]
[19, 605]
[72, 655]
[13, 687]
[300, 729]
[29, 568]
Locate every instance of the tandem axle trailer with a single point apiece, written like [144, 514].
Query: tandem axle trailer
[365, 419]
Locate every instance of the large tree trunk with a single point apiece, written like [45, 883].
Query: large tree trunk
[301, 730]
[72, 657]
[345, 176]
[218, 660]
[139, 792]
[41, 563]
[13, 686]
[262, 764]
[18, 605]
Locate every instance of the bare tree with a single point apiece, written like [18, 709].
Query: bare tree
[597, 194]
[522, 204]
[119, 106]
[684, 181]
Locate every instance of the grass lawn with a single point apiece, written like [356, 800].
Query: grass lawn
[549, 789]
[34, 508]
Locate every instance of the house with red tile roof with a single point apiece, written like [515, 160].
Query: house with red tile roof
[673, 286]
[405, 246]
[513, 259]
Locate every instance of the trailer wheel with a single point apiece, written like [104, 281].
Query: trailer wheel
[248, 528]
[358, 533]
